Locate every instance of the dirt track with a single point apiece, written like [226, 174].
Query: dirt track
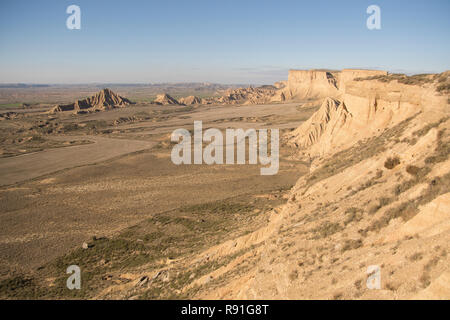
[29, 166]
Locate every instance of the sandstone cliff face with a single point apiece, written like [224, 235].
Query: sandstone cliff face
[316, 84]
[301, 85]
[165, 99]
[352, 212]
[103, 100]
[311, 84]
[190, 100]
[371, 106]
[378, 195]
[347, 75]
[280, 84]
[328, 121]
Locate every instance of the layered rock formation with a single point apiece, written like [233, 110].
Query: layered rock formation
[311, 84]
[280, 84]
[301, 85]
[244, 96]
[103, 100]
[316, 84]
[347, 75]
[191, 100]
[165, 99]
[368, 107]
[377, 194]
[250, 95]
[328, 121]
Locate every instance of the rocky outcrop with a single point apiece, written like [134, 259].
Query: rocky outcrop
[323, 126]
[311, 84]
[280, 84]
[370, 106]
[165, 99]
[249, 95]
[103, 100]
[301, 85]
[245, 96]
[347, 75]
[190, 100]
[353, 210]
[278, 97]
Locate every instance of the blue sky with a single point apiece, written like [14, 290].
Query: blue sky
[216, 41]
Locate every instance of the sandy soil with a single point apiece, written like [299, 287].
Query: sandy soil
[53, 200]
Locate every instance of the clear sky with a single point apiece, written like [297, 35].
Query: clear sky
[228, 41]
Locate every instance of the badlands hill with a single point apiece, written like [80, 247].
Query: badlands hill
[103, 100]
[317, 84]
[250, 95]
[378, 194]
[165, 99]
[364, 106]
[190, 100]
[244, 96]
[301, 85]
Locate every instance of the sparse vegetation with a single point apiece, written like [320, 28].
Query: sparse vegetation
[381, 202]
[416, 256]
[445, 87]
[351, 156]
[293, 275]
[391, 286]
[352, 215]
[442, 151]
[183, 251]
[422, 132]
[418, 79]
[338, 296]
[217, 207]
[352, 244]
[412, 170]
[391, 162]
[408, 209]
[419, 175]
[327, 229]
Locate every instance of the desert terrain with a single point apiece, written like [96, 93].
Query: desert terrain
[86, 179]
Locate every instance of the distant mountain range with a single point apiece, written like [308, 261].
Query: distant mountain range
[23, 85]
[102, 85]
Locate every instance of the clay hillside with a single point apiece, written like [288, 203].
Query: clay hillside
[378, 193]
[250, 95]
[190, 100]
[244, 96]
[165, 99]
[103, 100]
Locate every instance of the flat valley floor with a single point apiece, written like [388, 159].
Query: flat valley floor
[108, 176]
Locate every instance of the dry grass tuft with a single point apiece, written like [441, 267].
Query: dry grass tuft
[391, 162]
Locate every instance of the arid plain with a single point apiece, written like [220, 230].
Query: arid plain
[363, 180]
